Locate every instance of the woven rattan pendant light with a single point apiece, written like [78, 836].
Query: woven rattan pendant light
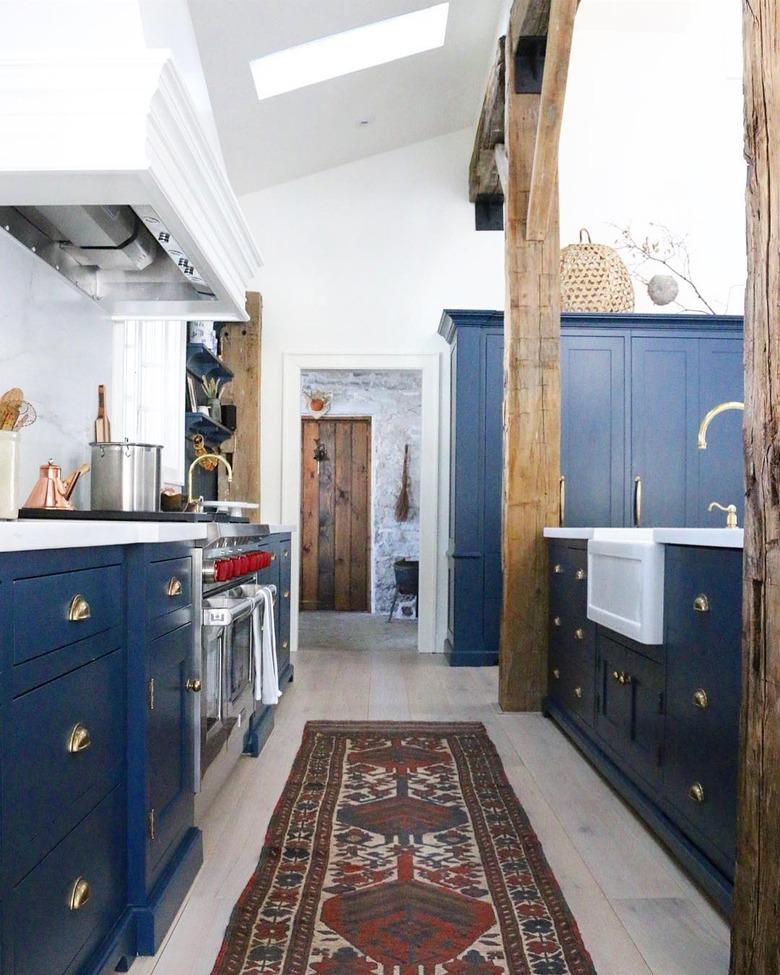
[594, 278]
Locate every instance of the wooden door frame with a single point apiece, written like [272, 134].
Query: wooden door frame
[349, 417]
[433, 546]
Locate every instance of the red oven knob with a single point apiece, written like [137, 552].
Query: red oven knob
[255, 561]
[221, 570]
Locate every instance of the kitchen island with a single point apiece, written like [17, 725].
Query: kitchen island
[100, 668]
[658, 720]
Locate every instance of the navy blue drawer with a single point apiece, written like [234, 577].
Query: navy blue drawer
[168, 586]
[65, 753]
[48, 935]
[65, 607]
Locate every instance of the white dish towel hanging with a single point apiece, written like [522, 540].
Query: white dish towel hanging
[264, 640]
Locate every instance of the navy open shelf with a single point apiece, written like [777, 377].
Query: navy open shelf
[202, 363]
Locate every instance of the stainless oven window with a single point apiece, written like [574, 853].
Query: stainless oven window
[240, 664]
[214, 663]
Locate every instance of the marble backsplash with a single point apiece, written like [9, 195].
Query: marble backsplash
[393, 400]
[57, 345]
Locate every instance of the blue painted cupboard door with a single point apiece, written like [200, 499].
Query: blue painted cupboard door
[720, 466]
[664, 404]
[493, 472]
[593, 428]
[170, 744]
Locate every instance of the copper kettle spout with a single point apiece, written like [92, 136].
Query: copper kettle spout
[70, 482]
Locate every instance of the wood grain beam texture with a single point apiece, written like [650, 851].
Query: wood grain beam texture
[531, 359]
[755, 946]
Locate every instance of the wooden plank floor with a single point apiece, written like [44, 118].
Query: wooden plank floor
[638, 913]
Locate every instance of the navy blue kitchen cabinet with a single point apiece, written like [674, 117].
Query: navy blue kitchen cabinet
[89, 639]
[634, 389]
[662, 723]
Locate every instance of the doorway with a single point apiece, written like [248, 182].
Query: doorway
[336, 514]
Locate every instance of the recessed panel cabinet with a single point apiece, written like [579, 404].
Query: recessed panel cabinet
[634, 389]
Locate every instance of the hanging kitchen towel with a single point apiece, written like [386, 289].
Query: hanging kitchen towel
[266, 672]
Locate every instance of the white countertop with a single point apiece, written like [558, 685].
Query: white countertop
[28, 534]
[705, 537]
[281, 529]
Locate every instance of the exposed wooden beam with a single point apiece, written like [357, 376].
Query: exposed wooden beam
[483, 175]
[241, 347]
[544, 179]
[755, 943]
[529, 18]
[531, 404]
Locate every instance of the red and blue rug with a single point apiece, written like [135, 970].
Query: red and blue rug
[401, 849]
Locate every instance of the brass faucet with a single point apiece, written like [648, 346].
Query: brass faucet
[701, 442]
[199, 460]
[730, 510]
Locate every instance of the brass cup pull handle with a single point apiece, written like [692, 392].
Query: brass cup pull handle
[556, 621]
[562, 500]
[79, 609]
[285, 644]
[194, 685]
[580, 575]
[558, 569]
[579, 634]
[700, 699]
[273, 556]
[286, 594]
[286, 553]
[578, 692]
[556, 674]
[637, 501]
[174, 587]
[79, 740]
[696, 792]
[701, 604]
[80, 893]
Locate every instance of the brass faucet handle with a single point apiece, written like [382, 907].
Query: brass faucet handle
[729, 510]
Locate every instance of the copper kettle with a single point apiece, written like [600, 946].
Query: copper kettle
[51, 491]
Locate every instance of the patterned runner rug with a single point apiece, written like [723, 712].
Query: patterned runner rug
[401, 849]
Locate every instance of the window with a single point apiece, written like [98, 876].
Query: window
[149, 371]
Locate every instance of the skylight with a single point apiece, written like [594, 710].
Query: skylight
[352, 50]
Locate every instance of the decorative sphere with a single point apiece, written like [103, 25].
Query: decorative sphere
[663, 289]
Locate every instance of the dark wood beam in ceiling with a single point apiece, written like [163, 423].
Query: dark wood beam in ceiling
[483, 174]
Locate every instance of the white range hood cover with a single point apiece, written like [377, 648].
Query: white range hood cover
[119, 129]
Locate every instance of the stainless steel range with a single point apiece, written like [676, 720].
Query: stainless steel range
[227, 560]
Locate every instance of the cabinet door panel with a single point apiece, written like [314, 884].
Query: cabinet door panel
[613, 717]
[170, 745]
[720, 467]
[663, 421]
[593, 412]
[645, 686]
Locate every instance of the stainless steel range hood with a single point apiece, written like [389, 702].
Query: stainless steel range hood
[120, 190]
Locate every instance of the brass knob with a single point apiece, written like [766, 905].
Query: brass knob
[286, 593]
[194, 684]
[578, 692]
[580, 575]
[79, 894]
[696, 792]
[579, 633]
[701, 604]
[557, 674]
[273, 556]
[616, 676]
[625, 678]
[79, 740]
[558, 569]
[556, 621]
[79, 609]
[286, 553]
[285, 644]
[174, 587]
[700, 699]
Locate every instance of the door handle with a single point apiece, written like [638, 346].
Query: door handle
[637, 501]
[562, 500]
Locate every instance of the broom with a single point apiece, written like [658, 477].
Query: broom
[402, 504]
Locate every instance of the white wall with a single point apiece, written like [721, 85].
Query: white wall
[56, 345]
[362, 259]
[652, 132]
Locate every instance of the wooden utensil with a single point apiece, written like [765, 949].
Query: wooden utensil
[102, 424]
[10, 404]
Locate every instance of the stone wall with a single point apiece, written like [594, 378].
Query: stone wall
[393, 400]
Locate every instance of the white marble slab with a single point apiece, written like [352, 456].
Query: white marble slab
[281, 529]
[574, 533]
[707, 537]
[30, 535]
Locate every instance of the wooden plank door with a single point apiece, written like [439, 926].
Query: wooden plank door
[335, 515]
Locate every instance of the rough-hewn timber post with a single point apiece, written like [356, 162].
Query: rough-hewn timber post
[756, 916]
[531, 412]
